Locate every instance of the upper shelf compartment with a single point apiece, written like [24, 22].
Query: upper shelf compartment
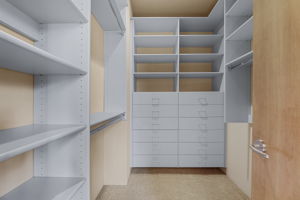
[155, 26]
[241, 8]
[51, 11]
[108, 14]
[18, 55]
[243, 32]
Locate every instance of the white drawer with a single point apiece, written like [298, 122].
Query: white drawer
[201, 136]
[155, 136]
[203, 98]
[201, 110]
[201, 123]
[155, 123]
[155, 148]
[202, 161]
[155, 98]
[155, 110]
[201, 148]
[155, 161]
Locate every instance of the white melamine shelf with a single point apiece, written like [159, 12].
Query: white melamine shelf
[45, 188]
[241, 8]
[155, 58]
[155, 75]
[243, 32]
[15, 141]
[242, 59]
[156, 24]
[108, 15]
[155, 41]
[18, 55]
[199, 40]
[51, 11]
[200, 74]
[97, 118]
[209, 57]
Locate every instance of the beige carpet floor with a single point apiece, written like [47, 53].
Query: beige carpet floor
[174, 186]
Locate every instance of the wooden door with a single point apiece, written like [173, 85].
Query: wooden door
[276, 99]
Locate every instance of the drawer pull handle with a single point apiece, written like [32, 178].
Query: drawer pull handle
[203, 101]
[155, 101]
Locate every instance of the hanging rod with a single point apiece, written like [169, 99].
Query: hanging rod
[240, 65]
[108, 123]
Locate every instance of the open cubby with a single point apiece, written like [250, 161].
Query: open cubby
[190, 44]
[199, 26]
[196, 67]
[155, 26]
[234, 22]
[156, 44]
[155, 84]
[155, 63]
[200, 84]
[155, 67]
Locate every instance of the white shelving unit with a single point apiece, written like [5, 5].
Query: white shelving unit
[46, 188]
[238, 58]
[60, 62]
[19, 140]
[168, 102]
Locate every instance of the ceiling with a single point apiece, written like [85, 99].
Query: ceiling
[172, 8]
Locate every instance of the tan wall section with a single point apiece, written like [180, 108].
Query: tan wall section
[97, 105]
[239, 155]
[16, 108]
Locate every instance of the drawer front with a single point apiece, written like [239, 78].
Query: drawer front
[155, 161]
[155, 98]
[202, 161]
[210, 123]
[155, 111]
[203, 98]
[155, 148]
[201, 111]
[155, 136]
[155, 123]
[201, 136]
[201, 148]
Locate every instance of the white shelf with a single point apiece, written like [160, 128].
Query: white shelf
[100, 117]
[200, 74]
[19, 140]
[156, 24]
[210, 57]
[241, 8]
[243, 32]
[155, 58]
[50, 11]
[18, 55]
[44, 188]
[107, 13]
[155, 41]
[155, 75]
[200, 40]
[244, 58]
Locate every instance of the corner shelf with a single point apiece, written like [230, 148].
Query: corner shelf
[244, 32]
[15, 141]
[18, 55]
[244, 58]
[200, 74]
[155, 58]
[107, 13]
[54, 11]
[207, 57]
[155, 75]
[240, 8]
[46, 188]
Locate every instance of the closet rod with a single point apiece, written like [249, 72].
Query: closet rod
[240, 65]
[108, 123]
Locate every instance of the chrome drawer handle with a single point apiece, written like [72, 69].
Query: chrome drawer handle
[260, 147]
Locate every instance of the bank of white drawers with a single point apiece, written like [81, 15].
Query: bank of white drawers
[178, 129]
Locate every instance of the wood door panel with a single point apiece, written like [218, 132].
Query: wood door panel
[276, 99]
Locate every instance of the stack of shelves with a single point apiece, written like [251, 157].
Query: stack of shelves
[60, 31]
[238, 47]
[178, 68]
